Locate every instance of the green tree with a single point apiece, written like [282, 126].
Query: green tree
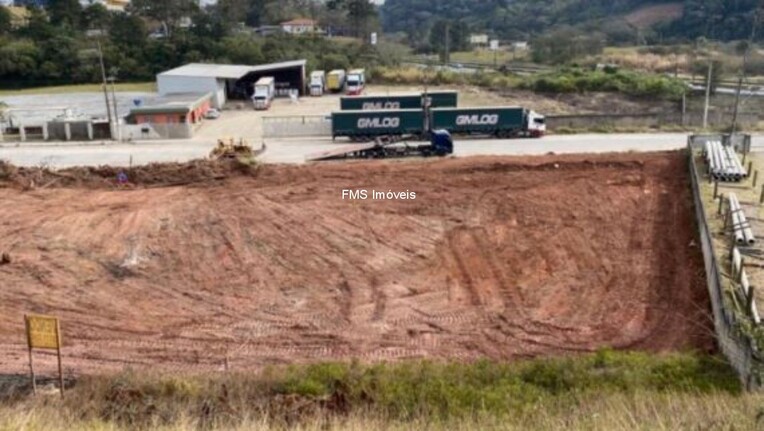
[168, 12]
[96, 16]
[566, 44]
[127, 30]
[361, 14]
[5, 20]
[233, 11]
[38, 27]
[19, 60]
[208, 27]
[65, 13]
[242, 49]
[458, 37]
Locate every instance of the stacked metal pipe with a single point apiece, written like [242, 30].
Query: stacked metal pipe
[746, 290]
[723, 163]
[741, 228]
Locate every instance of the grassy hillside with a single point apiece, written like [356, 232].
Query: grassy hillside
[649, 15]
[621, 21]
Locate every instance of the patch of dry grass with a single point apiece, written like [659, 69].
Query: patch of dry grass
[649, 62]
[148, 87]
[607, 390]
[637, 411]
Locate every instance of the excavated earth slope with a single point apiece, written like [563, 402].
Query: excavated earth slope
[495, 258]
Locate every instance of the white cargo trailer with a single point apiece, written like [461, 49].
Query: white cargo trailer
[265, 91]
[317, 83]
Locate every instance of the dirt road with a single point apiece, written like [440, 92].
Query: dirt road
[295, 150]
[496, 257]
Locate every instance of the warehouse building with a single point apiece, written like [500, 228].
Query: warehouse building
[231, 82]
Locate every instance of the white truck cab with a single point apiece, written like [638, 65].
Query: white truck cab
[536, 124]
[317, 83]
[265, 91]
[356, 81]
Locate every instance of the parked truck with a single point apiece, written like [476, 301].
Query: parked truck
[356, 82]
[501, 122]
[265, 91]
[335, 81]
[317, 83]
[440, 99]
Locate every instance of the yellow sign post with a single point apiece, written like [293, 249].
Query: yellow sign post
[44, 332]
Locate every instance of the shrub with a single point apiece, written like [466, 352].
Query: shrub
[628, 82]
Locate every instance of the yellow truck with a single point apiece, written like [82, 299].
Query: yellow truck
[335, 81]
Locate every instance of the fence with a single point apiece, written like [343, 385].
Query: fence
[297, 126]
[737, 348]
[689, 119]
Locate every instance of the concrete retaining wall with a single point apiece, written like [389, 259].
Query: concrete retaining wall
[740, 351]
[691, 119]
[296, 126]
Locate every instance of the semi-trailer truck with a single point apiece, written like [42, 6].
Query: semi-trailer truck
[503, 122]
[356, 82]
[265, 91]
[317, 83]
[439, 99]
[335, 81]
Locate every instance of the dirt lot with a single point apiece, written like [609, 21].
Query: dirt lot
[496, 257]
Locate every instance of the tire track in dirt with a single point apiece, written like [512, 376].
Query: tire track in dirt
[473, 273]
[496, 258]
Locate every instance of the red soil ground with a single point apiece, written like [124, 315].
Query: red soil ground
[496, 258]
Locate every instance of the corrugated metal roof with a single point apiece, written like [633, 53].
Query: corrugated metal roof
[228, 71]
[299, 21]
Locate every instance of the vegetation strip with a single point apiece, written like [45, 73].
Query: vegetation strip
[408, 392]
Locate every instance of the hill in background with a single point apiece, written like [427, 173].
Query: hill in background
[621, 21]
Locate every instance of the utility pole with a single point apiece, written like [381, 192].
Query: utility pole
[105, 87]
[708, 93]
[116, 112]
[742, 70]
[447, 55]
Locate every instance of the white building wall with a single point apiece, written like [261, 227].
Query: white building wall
[220, 93]
[172, 84]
